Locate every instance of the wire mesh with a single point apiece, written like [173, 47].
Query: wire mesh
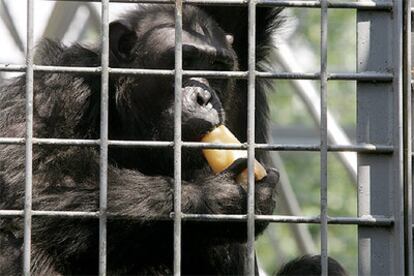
[386, 221]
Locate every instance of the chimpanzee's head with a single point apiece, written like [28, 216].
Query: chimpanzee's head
[146, 103]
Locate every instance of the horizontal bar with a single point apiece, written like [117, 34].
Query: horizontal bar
[268, 3]
[11, 141]
[362, 148]
[287, 75]
[317, 4]
[12, 68]
[67, 69]
[125, 143]
[214, 217]
[63, 142]
[364, 220]
[360, 76]
[142, 72]
[49, 141]
[84, 142]
[73, 214]
[86, 70]
[365, 148]
[222, 74]
[12, 213]
[215, 145]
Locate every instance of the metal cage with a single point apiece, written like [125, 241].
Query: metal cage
[383, 143]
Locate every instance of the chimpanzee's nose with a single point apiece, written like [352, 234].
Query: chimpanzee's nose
[197, 91]
[203, 97]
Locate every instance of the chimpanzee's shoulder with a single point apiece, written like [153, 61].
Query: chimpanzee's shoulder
[50, 52]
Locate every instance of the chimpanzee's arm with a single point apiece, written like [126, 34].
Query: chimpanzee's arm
[135, 196]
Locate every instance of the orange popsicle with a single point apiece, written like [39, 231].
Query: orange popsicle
[219, 160]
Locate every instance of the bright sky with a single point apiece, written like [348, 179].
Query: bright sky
[9, 52]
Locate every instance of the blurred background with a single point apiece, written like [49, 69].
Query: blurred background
[294, 115]
[295, 120]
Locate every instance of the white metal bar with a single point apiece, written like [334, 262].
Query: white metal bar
[29, 142]
[324, 138]
[251, 98]
[178, 135]
[103, 159]
[408, 181]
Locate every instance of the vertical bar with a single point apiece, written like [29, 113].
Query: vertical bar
[251, 134]
[324, 138]
[29, 141]
[407, 141]
[379, 120]
[398, 137]
[177, 135]
[398, 91]
[103, 160]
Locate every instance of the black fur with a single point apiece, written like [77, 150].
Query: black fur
[310, 265]
[140, 183]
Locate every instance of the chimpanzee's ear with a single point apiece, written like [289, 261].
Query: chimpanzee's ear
[122, 40]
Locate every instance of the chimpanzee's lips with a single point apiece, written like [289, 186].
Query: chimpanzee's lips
[194, 129]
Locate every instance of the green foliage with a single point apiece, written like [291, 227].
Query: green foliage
[286, 109]
[303, 169]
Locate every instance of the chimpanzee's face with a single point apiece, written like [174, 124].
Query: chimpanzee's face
[151, 45]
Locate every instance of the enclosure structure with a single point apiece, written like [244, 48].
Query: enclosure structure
[383, 133]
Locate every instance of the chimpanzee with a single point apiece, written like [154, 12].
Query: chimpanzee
[310, 265]
[140, 180]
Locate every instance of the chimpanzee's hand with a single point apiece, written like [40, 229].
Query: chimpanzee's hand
[223, 195]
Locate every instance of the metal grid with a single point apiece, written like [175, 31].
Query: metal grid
[386, 229]
[407, 114]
